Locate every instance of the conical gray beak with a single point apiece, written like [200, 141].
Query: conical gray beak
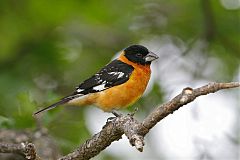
[150, 57]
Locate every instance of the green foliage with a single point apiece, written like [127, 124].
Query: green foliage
[68, 127]
[23, 115]
[6, 122]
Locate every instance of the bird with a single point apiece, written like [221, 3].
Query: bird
[117, 85]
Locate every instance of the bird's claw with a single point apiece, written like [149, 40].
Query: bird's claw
[110, 119]
[119, 114]
[134, 112]
[115, 114]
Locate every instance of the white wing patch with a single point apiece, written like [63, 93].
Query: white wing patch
[120, 74]
[80, 90]
[99, 87]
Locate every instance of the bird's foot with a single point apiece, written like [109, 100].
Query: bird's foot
[134, 112]
[115, 116]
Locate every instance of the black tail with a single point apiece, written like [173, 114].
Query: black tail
[62, 101]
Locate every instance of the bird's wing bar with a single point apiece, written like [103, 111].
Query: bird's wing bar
[115, 73]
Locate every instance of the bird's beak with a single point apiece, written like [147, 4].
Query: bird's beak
[150, 57]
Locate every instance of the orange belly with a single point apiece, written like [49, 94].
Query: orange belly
[123, 95]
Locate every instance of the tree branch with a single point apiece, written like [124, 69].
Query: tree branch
[25, 149]
[188, 95]
[20, 143]
[133, 129]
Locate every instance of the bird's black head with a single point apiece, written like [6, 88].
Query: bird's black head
[139, 54]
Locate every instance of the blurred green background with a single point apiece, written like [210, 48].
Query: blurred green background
[48, 47]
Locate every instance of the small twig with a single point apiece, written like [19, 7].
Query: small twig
[188, 95]
[25, 149]
[11, 148]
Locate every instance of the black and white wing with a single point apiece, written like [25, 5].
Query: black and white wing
[115, 73]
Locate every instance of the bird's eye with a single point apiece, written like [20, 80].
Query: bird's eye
[139, 55]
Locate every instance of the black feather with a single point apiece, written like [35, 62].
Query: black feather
[136, 53]
[104, 76]
[62, 101]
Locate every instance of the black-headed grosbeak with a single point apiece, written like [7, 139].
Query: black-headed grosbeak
[117, 85]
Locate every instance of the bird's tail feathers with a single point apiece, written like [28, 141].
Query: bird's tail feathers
[62, 101]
